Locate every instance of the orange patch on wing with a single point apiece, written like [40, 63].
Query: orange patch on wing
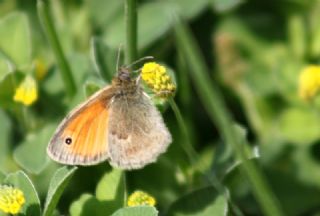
[88, 130]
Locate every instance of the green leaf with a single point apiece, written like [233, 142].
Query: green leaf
[315, 31]
[80, 64]
[7, 89]
[205, 160]
[299, 125]
[111, 188]
[4, 67]
[22, 181]
[223, 160]
[155, 19]
[304, 180]
[89, 205]
[137, 211]
[57, 185]
[15, 40]
[298, 38]
[287, 77]
[103, 12]
[91, 87]
[226, 5]
[110, 194]
[257, 76]
[4, 141]
[189, 8]
[53, 83]
[32, 154]
[202, 202]
[306, 160]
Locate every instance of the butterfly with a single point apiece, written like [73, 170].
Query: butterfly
[119, 123]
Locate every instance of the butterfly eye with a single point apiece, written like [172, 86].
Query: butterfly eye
[68, 141]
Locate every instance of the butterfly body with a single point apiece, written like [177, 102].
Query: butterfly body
[119, 123]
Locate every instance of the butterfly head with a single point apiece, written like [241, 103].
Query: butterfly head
[126, 78]
[124, 74]
[125, 83]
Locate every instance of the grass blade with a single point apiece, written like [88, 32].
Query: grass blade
[47, 24]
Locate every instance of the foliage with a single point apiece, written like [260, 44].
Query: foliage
[234, 62]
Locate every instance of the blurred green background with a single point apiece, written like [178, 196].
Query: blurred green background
[255, 51]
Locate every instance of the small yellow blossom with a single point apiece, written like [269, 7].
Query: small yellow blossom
[141, 198]
[309, 82]
[156, 77]
[11, 199]
[27, 91]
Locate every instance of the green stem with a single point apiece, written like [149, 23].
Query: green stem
[26, 120]
[212, 100]
[19, 111]
[193, 156]
[187, 146]
[131, 31]
[251, 111]
[130, 48]
[23, 124]
[51, 34]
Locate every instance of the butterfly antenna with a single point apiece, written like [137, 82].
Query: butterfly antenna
[118, 57]
[139, 60]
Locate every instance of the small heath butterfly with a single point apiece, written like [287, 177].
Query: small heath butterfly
[118, 123]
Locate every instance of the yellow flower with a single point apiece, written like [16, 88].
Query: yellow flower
[27, 91]
[11, 199]
[156, 77]
[141, 198]
[309, 82]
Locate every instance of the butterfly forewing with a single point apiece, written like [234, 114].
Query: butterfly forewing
[81, 139]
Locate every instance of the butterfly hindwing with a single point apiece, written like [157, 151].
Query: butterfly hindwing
[137, 133]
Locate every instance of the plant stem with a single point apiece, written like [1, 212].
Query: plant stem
[193, 157]
[131, 31]
[187, 144]
[251, 111]
[130, 50]
[47, 24]
[212, 100]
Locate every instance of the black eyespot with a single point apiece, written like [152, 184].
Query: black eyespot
[68, 141]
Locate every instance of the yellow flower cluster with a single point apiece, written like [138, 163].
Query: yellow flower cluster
[309, 82]
[27, 91]
[11, 199]
[156, 77]
[141, 198]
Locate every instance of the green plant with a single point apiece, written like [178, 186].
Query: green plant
[244, 143]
